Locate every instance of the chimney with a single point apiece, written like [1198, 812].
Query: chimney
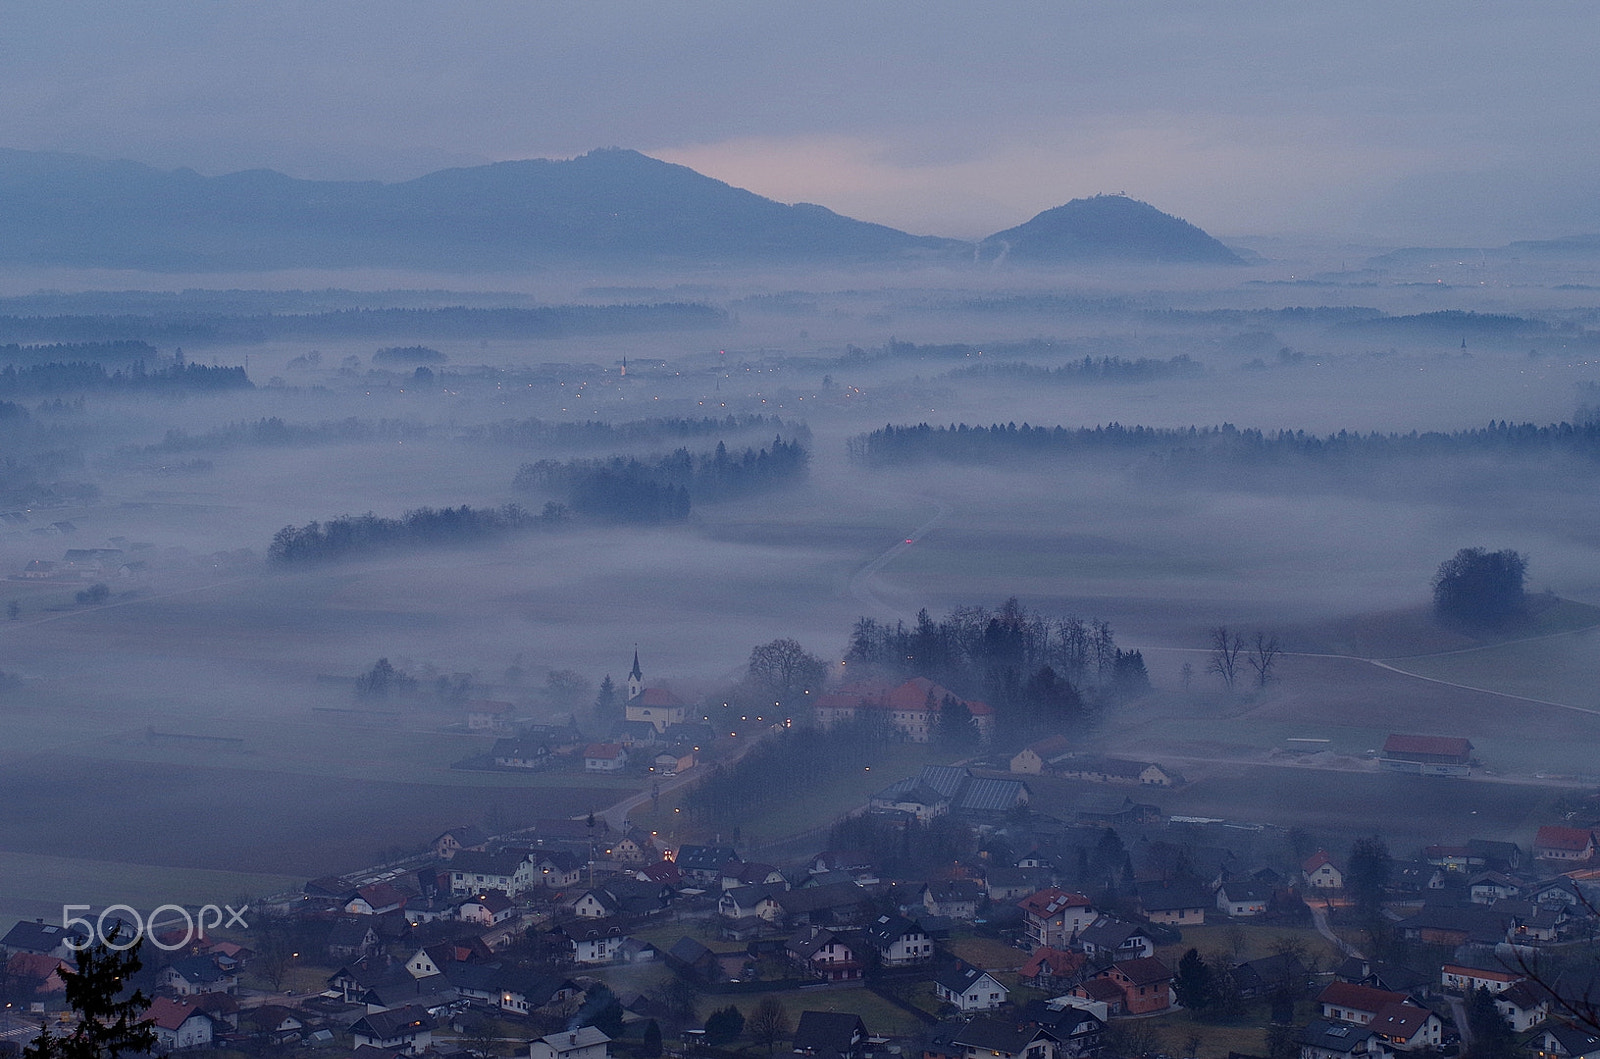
[572, 1038]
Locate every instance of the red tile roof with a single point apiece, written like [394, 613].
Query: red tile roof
[1358, 997]
[1315, 861]
[169, 1014]
[1401, 1021]
[1052, 899]
[1554, 836]
[658, 697]
[1146, 970]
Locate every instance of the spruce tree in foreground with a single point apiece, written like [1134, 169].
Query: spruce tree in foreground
[107, 1027]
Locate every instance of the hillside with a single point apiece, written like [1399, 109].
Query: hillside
[607, 206]
[1105, 228]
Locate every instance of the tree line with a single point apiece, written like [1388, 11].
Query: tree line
[594, 432]
[451, 322]
[274, 431]
[1088, 370]
[347, 536]
[1038, 673]
[631, 489]
[71, 376]
[123, 351]
[1225, 443]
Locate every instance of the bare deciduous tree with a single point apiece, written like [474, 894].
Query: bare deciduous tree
[1263, 656]
[1226, 647]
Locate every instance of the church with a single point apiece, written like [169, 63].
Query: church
[657, 707]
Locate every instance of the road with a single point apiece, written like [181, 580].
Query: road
[1319, 916]
[861, 583]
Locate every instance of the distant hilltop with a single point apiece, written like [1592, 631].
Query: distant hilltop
[610, 207]
[1106, 228]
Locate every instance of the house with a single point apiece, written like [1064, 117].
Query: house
[1554, 842]
[635, 847]
[1325, 1039]
[830, 1035]
[1049, 968]
[375, 900]
[273, 1024]
[1258, 978]
[1102, 991]
[704, 864]
[992, 1038]
[489, 716]
[1469, 978]
[1242, 899]
[1488, 887]
[1146, 984]
[45, 939]
[453, 841]
[35, 974]
[1524, 1006]
[522, 752]
[473, 872]
[521, 993]
[1035, 757]
[918, 800]
[556, 870]
[1116, 940]
[968, 988]
[591, 941]
[586, 1042]
[1407, 1028]
[605, 757]
[1321, 873]
[1566, 1041]
[406, 1029]
[839, 904]
[759, 900]
[899, 941]
[1427, 755]
[1176, 904]
[179, 1024]
[750, 873]
[351, 937]
[954, 899]
[1053, 916]
[198, 974]
[487, 908]
[824, 954]
[1357, 1004]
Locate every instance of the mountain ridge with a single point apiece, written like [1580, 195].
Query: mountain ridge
[610, 206]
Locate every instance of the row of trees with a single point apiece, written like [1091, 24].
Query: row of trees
[115, 352]
[1232, 658]
[272, 431]
[458, 322]
[1200, 446]
[348, 536]
[544, 432]
[78, 375]
[970, 647]
[631, 489]
[1089, 370]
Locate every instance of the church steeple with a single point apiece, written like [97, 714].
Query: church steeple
[635, 678]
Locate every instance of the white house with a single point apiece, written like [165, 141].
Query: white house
[1321, 873]
[605, 757]
[179, 1024]
[586, 1042]
[969, 989]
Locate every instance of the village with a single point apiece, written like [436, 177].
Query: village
[974, 925]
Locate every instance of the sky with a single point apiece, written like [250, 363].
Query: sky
[1421, 122]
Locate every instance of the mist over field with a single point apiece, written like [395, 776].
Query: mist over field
[211, 685]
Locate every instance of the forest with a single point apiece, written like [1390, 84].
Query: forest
[349, 536]
[631, 489]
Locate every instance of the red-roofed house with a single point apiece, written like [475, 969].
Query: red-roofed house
[605, 757]
[36, 973]
[1048, 967]
[1053, 916]
[178, 1024]
[1554, 842]
[1146, 984]
[1462, 978]
[1033, 758]
[1320, 872]
[1358, 1004]
[1427, 755]
[911, 709]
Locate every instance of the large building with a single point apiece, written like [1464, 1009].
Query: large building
[1427, 755]
[913, 709]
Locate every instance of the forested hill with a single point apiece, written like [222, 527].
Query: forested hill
[986, 444]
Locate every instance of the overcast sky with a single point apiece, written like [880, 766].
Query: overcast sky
[1413, 121]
